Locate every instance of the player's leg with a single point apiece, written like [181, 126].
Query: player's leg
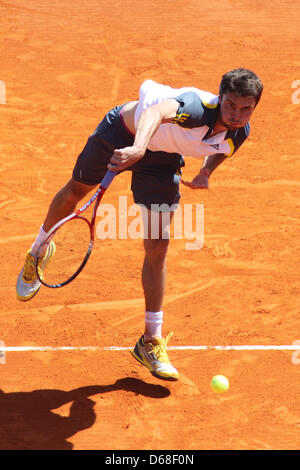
[154, 277]
[156, 189]
[154, 269]
[65, 202]
[150, 350]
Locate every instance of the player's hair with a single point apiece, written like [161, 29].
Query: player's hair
[243, 82]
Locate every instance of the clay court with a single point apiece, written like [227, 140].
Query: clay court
[64, 65]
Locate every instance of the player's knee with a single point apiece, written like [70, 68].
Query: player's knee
[156, 250]
[75, 191]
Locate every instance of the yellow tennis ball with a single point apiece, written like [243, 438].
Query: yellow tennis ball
[219, 384]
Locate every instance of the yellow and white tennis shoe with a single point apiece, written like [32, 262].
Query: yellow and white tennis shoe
[155, 357]
[28, 283]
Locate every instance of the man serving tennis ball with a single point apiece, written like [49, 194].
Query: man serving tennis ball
[150, 138]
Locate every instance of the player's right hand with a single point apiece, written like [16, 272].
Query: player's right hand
[125, 157]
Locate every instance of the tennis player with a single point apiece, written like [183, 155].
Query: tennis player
[150, 137]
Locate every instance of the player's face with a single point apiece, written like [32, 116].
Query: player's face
[236, 110]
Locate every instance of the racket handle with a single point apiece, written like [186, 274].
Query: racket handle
[108, 177]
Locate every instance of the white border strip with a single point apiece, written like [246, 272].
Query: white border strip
[181, 348]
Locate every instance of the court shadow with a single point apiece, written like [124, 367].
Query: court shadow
[28, 420]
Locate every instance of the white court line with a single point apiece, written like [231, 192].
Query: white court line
[287, 347]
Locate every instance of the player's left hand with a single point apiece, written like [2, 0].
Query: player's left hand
[125, 157]
[199, 182]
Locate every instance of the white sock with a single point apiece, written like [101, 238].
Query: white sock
[39, 239]
[153, 324]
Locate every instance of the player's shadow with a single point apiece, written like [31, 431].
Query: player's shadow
[28, 420]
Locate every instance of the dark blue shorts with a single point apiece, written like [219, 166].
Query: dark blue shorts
[155, 178]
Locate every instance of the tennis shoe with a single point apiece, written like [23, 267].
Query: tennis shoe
[155, 357]
[28, 283]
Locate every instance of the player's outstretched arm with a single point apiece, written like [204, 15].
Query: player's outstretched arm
[210, 164]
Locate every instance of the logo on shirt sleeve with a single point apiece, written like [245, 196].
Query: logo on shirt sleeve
[182, 117]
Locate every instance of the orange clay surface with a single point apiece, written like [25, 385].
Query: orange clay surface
[65, 63]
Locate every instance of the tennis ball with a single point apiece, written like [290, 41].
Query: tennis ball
[219, 384]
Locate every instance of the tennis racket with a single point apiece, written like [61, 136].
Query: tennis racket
[59, 261]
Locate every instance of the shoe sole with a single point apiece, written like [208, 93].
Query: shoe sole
[136, 355]
[25, 299]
